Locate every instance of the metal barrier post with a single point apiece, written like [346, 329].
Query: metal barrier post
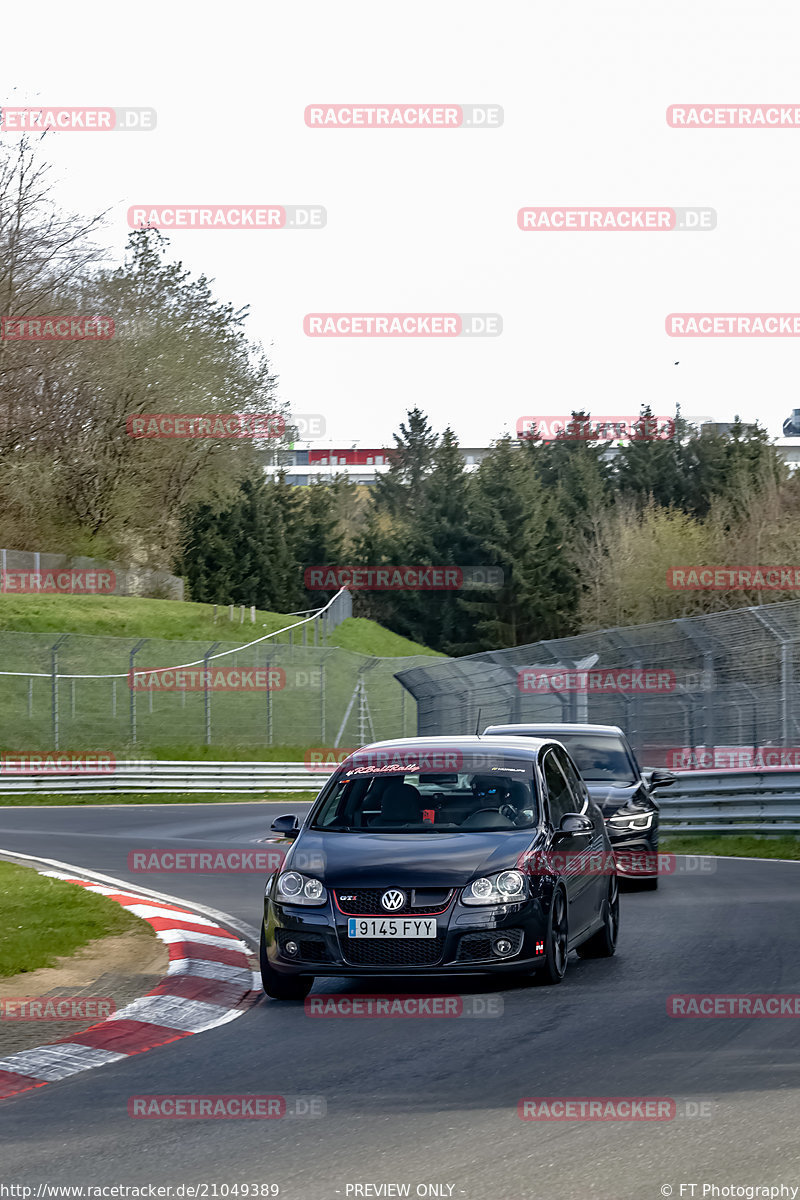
[206, 692]
[132, 686]
[54, 686]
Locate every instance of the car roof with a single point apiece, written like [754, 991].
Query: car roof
[551, 730]
[524, 746]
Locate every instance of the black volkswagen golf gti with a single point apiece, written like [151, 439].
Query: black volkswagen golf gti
[436, 856]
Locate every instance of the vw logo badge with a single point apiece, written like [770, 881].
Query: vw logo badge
[393, 900]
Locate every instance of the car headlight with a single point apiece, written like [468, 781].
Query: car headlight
[294, 888]
[638, 821]
[504, 888]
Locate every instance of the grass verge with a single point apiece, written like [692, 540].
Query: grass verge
[33, 799]
[731, 845]
[46, 918]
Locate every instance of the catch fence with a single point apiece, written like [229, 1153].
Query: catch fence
[727, 679]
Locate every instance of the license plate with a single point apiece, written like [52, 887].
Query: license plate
[391, 927]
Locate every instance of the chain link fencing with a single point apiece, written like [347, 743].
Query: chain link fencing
[128, 581]
[733, 682]
[75, 692]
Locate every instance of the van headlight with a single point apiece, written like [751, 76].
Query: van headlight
[294, 888]
[503, 888]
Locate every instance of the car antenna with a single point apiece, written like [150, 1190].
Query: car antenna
[478, 724]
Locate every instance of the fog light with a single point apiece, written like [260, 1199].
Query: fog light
[291, 948]
[503, 947]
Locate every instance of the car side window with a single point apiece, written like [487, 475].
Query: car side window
[559, 795]
[574, 780]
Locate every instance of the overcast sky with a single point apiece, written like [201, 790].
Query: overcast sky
[426, 220]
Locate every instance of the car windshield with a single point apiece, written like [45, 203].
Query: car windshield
[484, 792]
[600, 758]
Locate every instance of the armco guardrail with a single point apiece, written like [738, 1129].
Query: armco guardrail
[164, 776]
[761, 802]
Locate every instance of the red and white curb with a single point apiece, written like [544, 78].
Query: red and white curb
[209, 981]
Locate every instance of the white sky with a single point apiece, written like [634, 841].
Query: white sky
[426, 220]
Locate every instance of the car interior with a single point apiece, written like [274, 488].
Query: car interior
[432, 802]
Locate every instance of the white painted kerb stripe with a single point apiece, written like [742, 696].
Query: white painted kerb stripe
[58, 1061]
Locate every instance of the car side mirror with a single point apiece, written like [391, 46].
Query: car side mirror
[288, 825]
[575, 824]
[659, 779]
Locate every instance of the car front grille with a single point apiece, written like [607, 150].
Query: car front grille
[363, 902]
[393, 952]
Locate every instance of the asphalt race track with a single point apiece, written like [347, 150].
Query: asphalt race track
[434, 1101]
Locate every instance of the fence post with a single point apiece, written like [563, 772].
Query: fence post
[132, 687]
[269, 707]
[322, 704]
[206, 692]
[252, 614]
[54, 686]
[113, 697]
[30, 695]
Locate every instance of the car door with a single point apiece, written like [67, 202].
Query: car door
[595, 881]
[560, 801]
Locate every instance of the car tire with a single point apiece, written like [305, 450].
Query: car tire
[281, 987]
[603, 943]
[556, 953]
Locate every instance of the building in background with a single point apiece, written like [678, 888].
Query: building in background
[362, 465]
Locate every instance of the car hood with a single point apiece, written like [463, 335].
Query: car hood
[611, 797]
[413, 860]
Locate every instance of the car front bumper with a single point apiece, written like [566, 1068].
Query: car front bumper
[635, 853]
[463, 943]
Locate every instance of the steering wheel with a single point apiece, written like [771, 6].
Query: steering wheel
[505, 810]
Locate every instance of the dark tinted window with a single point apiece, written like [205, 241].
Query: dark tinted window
[573, 778]
[600, 758]
[558, 792]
